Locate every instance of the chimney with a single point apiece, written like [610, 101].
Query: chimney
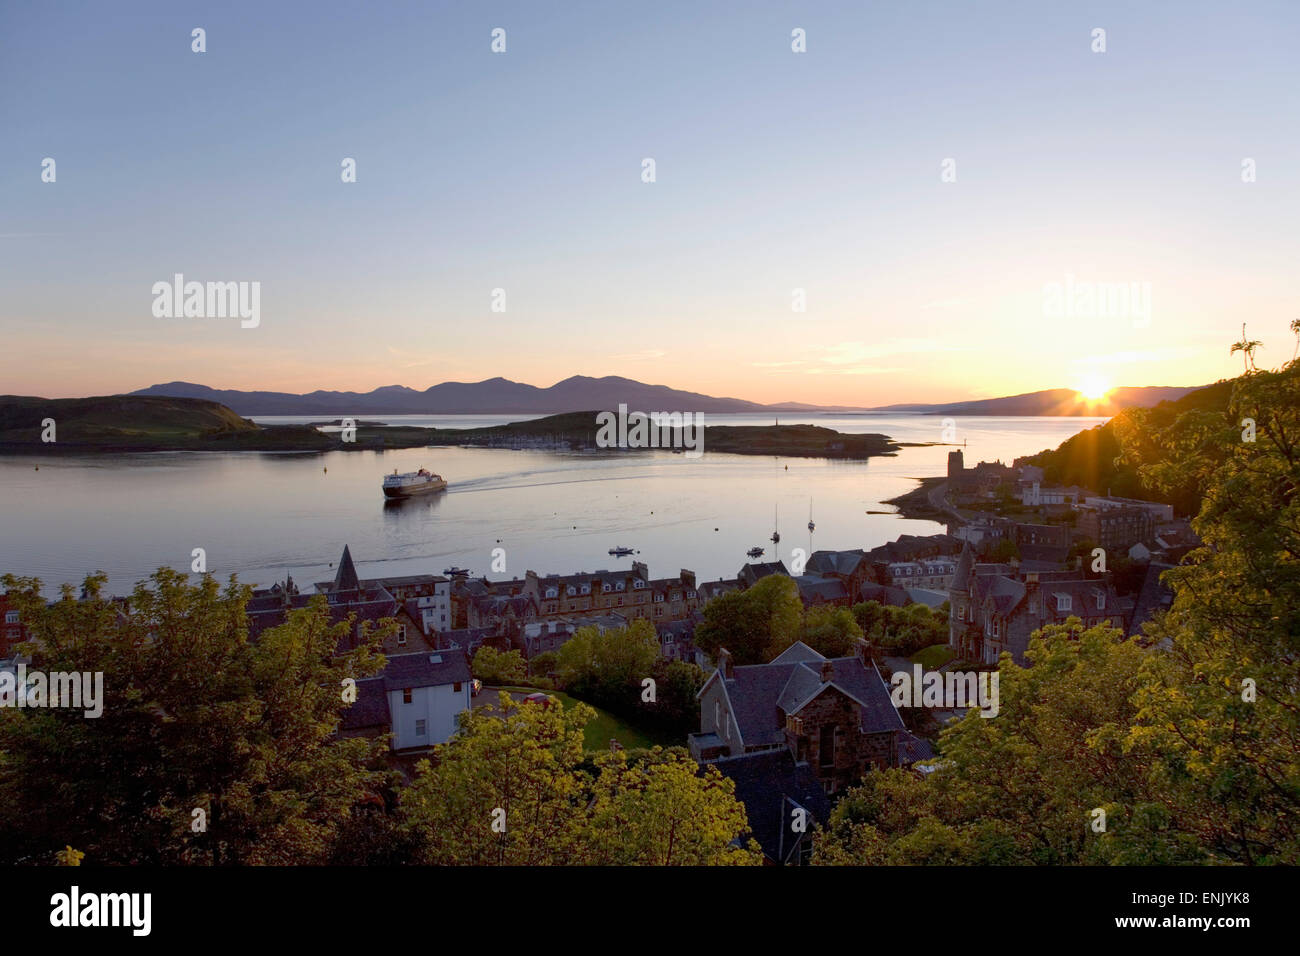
[828, 671]
[863, 648]
[724, 662]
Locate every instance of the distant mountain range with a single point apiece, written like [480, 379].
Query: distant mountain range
[1056, 401]
[583, 393]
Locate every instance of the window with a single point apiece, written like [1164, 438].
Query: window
[1063, 602]
[826, 750]
[406, 696]
[401, 634]
[456, 687]
[11, 617]
[420, 728]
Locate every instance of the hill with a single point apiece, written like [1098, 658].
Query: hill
[502, 396]
[1056, 401]
[579, 430]
[122, 423]
[491, 396]
[1090, 458]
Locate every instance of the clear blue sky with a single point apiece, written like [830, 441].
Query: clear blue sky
[775, 171]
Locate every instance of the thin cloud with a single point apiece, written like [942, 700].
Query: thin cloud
[646, 355]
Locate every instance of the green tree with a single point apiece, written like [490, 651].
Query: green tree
[499, 667]
[541, 665]
[1221, 704]
[195, 718]
[665, 810]
[1021, 787]
[754, 625]
[1004, 550]
[831, 631]
[510, 789]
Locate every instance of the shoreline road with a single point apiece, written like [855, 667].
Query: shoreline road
[938, 497]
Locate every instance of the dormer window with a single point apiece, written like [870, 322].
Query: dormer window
[638, 584]
[1063, 602]
[552, 593]
[620, 586]
[585, 589]
[1101, 600]
[605, 587]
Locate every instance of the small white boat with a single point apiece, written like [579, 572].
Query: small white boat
[412, 483]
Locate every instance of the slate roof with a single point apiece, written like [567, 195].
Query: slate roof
[757, 571]
[912, 748]
[836, 562]
[370, 709]
[346, 578]
[766, 783]
[757, 691]
[467, 639]
[425, 669]
[1152, 597]
[267, 612]
[798, 651]
[1044, 554]
[965, 565]
[813, 588]
[931, 599]
[884, 594]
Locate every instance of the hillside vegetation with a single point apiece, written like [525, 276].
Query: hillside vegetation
[1094, 459]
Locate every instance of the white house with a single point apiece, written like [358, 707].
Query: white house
[435, 609]
[417, 699]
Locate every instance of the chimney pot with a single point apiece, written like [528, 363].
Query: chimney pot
[724, 662]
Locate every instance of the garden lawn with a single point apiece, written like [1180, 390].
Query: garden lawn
[601, 727]
[932, 657]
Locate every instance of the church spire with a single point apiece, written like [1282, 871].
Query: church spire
[346, 579]
[965, 565]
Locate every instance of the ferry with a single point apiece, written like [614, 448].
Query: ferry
[755, 552]
[412, 483]
[621, 552]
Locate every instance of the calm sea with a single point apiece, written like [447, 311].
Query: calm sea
[265, 515]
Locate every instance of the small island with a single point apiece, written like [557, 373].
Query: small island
[137, 423]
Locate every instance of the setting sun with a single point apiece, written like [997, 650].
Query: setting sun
[1094, 388]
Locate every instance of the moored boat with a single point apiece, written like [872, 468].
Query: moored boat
[412, 483]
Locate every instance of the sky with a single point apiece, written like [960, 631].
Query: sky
[952, 188]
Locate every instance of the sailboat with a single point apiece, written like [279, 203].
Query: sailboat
[776, 535]
[811, 527]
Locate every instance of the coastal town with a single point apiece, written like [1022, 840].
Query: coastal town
[790, 732]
